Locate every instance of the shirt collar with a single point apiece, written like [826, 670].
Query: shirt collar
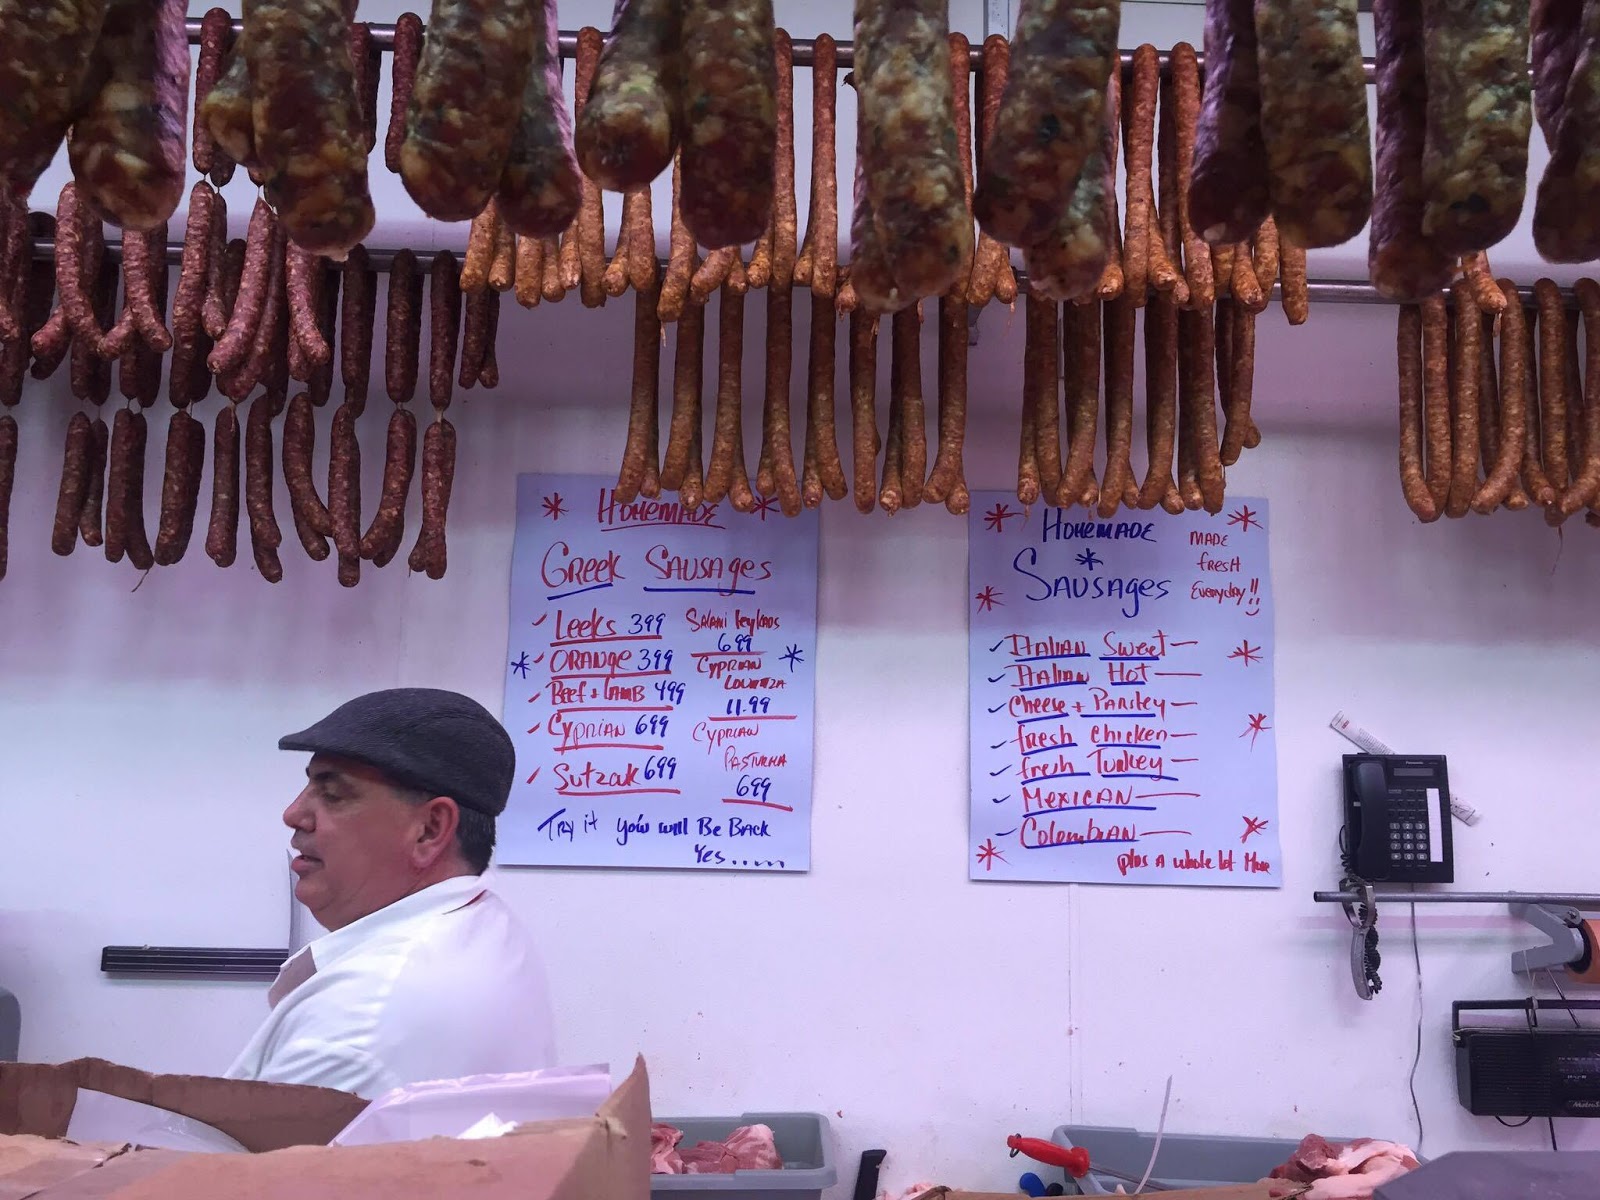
[439, 898]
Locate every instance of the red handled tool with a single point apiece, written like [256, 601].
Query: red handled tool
[1074, 1160]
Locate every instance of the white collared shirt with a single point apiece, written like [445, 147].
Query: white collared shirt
[440, 984]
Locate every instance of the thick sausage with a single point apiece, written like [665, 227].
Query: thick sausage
[687, 380]
[312, 522]
[530, 271]
[627, 127]
[777, 444]
[236, 341]
[989, 254]
[1138, 130]
[1413, 483]
[438, 477]
[1197, 401]
[357, 316]
[1479, 113]
[870, 280]
[730, 119]
[1228, 196]
[638, 455]
[1552, 382]
[1405, 263]
[193, 272]
[444, 310]
[344, 493]
[90, 527]
[1586, 486]
[1465, 368]
[905, 387]
[74, 485]
[1120, 344]
[407, 54]
[465, 104]
[1161, 397]
[540, 186]
[907, 144]
[180, 487]
[1236, 375]
[265, 537]
[1182, 92]
[1566, 225]
[222, 531]
[127, 142]
[226, 112]
[128, 438]
[1080, 342]
[382, 538]
[1555, 36]
[8, 473]
[1314, 119]
[1041, 388]
[1295, 297]
[304, 280]
[48, 50]
[1436, 398]
[1048, 126]
[474, 338]
[479, 257]
[863, 408]
[403, 328]
[489, 372]
[1069, 263]
[679, 275]
[310, 135]
[822, 440]
[727, 475]
[822, 224]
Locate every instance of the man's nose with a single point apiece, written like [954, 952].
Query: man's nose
[298, 815]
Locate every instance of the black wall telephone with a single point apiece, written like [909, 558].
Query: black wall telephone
[1397, 818]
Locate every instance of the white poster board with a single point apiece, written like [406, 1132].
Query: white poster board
[1121, 696]
[660, 682]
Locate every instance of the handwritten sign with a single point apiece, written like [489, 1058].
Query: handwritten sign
[660, 685]
[1121, 696]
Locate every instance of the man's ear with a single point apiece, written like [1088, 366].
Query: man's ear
[436, 837]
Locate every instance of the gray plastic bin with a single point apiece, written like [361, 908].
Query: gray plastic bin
[1187, 1160]
[802, 1141]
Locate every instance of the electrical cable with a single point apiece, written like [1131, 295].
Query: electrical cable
[1416, 1059]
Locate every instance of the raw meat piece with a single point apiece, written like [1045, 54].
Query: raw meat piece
[664, 1156]
[1343, 1171]
[748, 1148]
[754, 1148]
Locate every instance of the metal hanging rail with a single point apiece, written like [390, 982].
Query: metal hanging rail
[1327, 291]
[1576, 900]
[844, 53]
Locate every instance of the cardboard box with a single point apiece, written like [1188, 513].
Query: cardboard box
[286, 1128]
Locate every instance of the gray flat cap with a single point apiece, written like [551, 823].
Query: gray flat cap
[441, 742]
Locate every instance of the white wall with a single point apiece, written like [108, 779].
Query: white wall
[140, 789]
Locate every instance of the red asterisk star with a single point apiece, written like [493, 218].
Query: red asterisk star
[1257, 726]
[764, 505]
[1244, 517]
[1253, 825]
[997, 517]
[988, 598]
[553, 507]
[988, 852]
[1246, 653]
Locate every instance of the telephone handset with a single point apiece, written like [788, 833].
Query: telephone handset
[1397, 818]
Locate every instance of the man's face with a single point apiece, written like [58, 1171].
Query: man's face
[361, 847]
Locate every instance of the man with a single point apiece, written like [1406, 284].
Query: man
[425, 973]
